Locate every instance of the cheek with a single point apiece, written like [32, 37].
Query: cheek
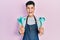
[32, 10]
[27, 10]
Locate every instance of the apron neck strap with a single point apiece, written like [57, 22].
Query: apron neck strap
[34, 19]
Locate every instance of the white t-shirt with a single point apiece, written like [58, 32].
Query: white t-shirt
[31, 21]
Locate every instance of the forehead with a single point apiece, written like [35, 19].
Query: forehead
[30, 5]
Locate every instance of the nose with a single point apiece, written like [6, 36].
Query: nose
[30, 11]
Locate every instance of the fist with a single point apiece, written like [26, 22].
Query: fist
[22, 30]
[41, 31]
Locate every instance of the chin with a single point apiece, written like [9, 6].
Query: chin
[30, 14]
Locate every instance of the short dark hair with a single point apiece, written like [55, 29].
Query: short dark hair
[29, 3]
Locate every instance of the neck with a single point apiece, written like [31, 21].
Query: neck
[31, 15]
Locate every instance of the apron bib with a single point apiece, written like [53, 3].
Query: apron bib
[31, 31]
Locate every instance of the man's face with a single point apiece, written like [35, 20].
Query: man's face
[30, 10]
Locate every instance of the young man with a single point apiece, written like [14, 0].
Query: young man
[30, 26]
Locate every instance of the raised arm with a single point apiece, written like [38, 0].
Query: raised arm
[20, 26]
[41, 29]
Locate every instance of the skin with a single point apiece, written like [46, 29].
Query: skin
[30, 11]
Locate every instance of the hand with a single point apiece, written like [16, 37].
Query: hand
[41, 31]
[22, 30]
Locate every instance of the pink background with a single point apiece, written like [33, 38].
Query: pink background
[10, 10]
